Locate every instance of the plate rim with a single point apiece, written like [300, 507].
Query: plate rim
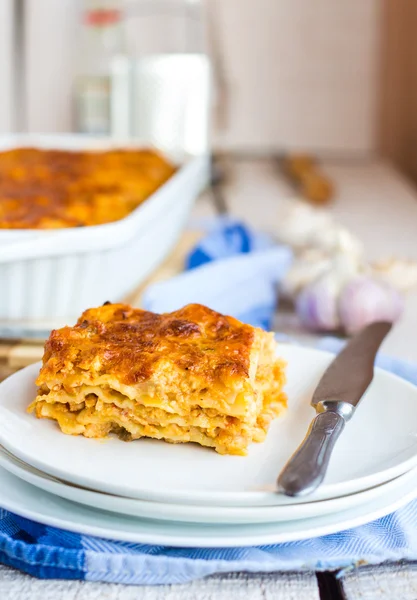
[34, 479]
[336, 522]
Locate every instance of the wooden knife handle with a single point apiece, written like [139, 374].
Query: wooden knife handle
[307, 467]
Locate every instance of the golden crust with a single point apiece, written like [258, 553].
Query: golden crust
[192, 375]
[132, 344]
[44, 189]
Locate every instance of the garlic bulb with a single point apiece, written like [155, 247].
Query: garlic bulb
[317, 304]
[401, 274]
[365, 300]
[334, 287]
[344, 298]
[311, 264]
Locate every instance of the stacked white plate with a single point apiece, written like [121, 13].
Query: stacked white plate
[184, 495]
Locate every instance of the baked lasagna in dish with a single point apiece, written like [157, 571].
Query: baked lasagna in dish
[192, 375]
[47, 189]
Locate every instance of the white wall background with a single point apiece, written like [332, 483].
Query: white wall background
[6, 65]
[302, 73]
[50, 59]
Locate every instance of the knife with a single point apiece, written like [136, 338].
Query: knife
[335, 399]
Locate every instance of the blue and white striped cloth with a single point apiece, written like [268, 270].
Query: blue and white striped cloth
[52, 553]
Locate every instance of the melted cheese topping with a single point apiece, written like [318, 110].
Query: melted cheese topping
[45, 189]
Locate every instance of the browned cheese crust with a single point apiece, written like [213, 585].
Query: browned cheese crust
[48, 189]
[130, 342]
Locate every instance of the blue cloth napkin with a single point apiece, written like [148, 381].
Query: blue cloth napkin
[52, 553]
[234, 270]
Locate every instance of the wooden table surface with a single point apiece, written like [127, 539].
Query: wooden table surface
[378, 205]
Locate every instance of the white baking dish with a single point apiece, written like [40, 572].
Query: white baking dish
[48, 277]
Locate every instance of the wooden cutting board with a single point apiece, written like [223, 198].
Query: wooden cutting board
[16, 354]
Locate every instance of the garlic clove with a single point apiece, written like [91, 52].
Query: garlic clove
[337, 239]
[364, 300]
[302, 226]
[316, 305]
[401, 274]
[305, 269]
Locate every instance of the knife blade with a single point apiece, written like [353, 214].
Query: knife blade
[335, 399]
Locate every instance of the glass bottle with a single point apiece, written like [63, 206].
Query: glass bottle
[163, 88]
[102, 40]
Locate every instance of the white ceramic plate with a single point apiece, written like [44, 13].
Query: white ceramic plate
[28, 501]
[380, 443]
[195, 514]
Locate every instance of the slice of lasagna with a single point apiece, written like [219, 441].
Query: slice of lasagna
[192, 375]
